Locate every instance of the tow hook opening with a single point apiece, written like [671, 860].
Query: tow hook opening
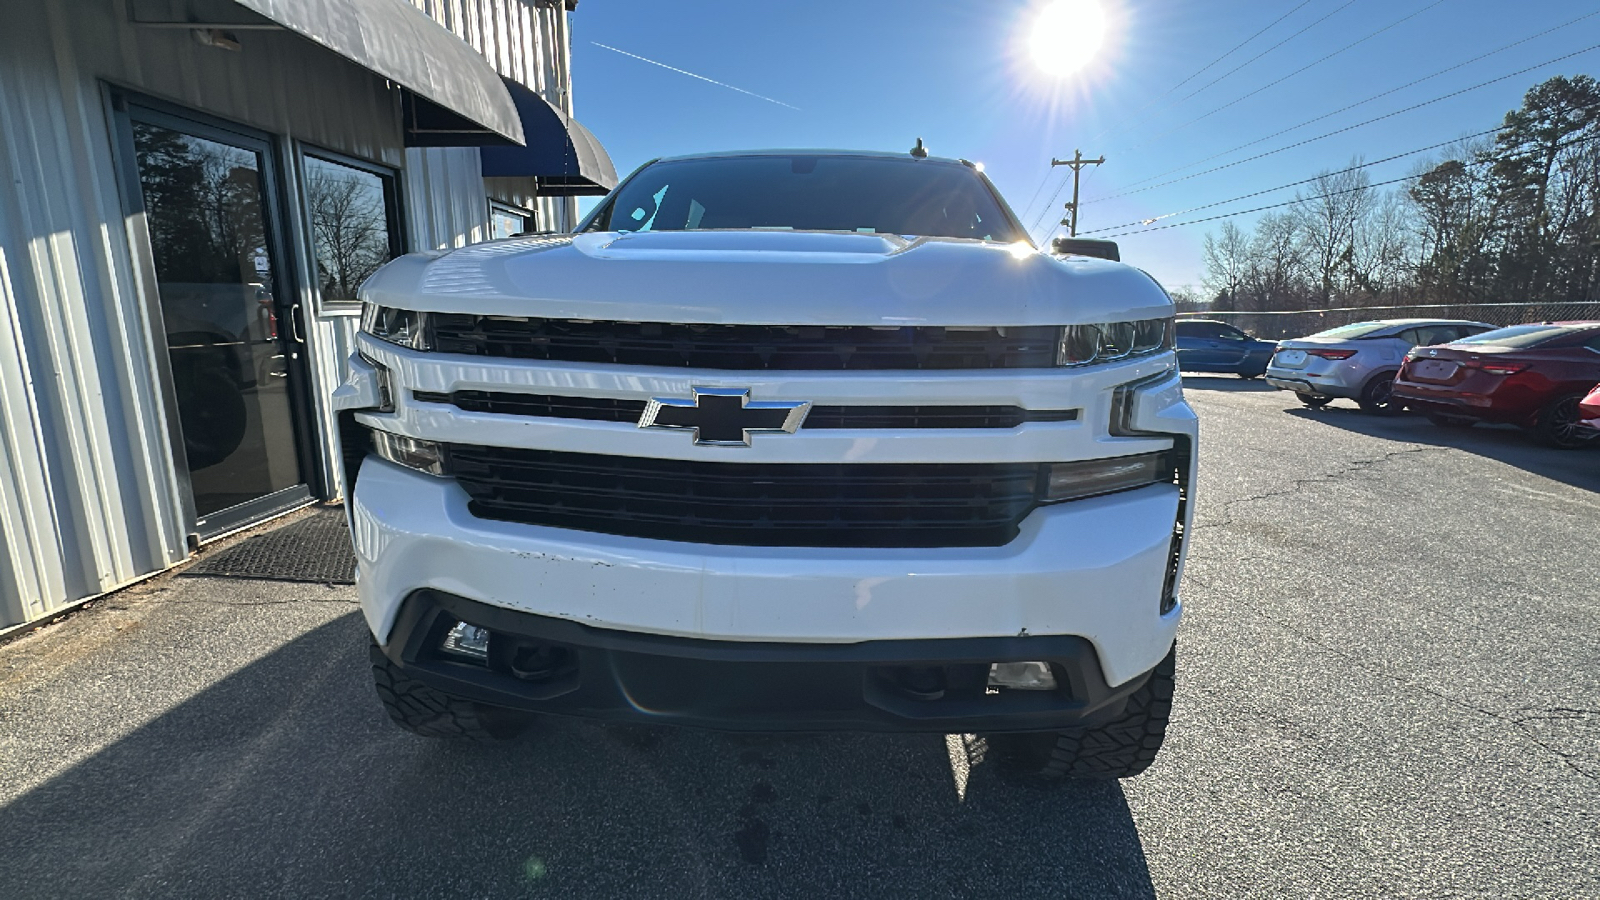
[973, 680]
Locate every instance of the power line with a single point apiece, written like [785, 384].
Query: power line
[1378, 96]
[1198, 72]
[1244, 212]
[1350, 46]
[1319, 137]
[1282, 187]
[1265, 52]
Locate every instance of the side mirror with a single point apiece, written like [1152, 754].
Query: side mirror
[1086, 247]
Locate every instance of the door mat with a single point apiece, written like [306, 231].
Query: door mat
[315, 548]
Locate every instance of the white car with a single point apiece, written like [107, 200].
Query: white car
[1358, 361]
[778, 441]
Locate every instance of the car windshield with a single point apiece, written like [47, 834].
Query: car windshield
[870, 195]
[1352, 331]
[1518, 335]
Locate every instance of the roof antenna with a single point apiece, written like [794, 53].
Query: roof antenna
[919, 151]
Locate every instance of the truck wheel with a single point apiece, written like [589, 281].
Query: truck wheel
[1121, 748]
[1377, 397]
[1558, 424]
[422, 710]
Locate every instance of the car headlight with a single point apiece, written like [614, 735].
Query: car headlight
[405, 327]
[424, 456]
[1083, 345]
[1092, 477]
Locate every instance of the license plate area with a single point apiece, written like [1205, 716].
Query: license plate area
[1433, 369]
[1291, 359]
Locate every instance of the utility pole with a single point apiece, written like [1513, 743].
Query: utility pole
[1077, 162]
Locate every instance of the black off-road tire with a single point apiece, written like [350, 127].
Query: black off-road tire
[424, 711]
[1315, 401]
[1377, 396]
[1121, 748]
[1558, 424]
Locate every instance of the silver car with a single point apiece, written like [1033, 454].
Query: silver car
[1358, 361]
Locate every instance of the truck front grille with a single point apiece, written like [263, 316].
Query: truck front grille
[754, 504]
[746, 347]
[605, 409]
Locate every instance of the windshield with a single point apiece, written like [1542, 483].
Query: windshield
[810, 193]
[1517, 335]
[1352, 331]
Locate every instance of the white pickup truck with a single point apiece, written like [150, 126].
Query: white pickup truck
[789, 440]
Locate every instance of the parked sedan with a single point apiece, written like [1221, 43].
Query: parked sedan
[1589, 413]
[1528, 375]
[1359, 361]
[1206, 345]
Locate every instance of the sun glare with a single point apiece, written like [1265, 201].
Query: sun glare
[1067, 35]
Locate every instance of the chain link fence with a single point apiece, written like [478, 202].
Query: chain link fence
[1278, 325]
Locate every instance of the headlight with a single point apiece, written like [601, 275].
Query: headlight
[1082, 345]
[424, 456]
[1092, 477]
[405, 327]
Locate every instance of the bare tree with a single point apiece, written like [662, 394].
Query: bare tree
[1328, 219]
[1227, 263]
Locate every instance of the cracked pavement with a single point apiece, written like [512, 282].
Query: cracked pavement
[1389, 685]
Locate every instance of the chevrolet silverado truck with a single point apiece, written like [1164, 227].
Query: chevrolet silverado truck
[789, 440]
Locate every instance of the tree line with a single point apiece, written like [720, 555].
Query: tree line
[1511, 219]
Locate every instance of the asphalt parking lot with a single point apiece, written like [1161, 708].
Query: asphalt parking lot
[1389, 685]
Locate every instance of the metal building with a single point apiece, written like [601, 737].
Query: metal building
[190, 191]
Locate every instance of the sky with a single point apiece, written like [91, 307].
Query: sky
[878, 74]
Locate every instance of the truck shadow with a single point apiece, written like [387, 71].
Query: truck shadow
[1503, 443]
[285, 779]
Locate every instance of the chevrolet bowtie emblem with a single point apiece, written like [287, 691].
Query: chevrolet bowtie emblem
[723, 416]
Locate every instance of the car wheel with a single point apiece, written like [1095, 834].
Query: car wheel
[1558, 424]
[424, 711]
[1315, 401]
[1121, 748]
[1377, 397]
[1445, 421]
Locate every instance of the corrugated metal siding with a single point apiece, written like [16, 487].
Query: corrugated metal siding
[86, 481]
[526, 41]
[88, 496]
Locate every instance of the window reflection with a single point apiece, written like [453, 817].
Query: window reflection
[351, 213]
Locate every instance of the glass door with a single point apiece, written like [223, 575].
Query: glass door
[233, 344]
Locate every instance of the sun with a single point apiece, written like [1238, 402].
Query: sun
[1067, 35]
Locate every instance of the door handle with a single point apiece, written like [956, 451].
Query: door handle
[294, 324]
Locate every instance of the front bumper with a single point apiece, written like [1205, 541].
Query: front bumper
[1094, 568]
[895, 685]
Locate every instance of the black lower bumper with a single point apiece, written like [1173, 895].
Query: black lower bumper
[550, 665]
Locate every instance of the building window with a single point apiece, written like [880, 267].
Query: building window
[355, 219]
[506, 220]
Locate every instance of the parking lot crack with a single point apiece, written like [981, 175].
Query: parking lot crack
[1351, 467]
[1519, 724]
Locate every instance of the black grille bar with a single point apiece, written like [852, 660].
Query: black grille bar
[610, 410]
[746, 347]
[753, 504]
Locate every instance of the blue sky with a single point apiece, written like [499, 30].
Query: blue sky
[877, 74]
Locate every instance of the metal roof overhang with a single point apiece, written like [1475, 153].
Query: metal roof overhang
[562, 154]
[453, 97]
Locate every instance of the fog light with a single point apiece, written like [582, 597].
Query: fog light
[1022, 676]
[468, 641]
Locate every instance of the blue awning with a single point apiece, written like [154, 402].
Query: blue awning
[562, 154]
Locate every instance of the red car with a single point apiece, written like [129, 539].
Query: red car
[1527, 375]
[1589, 412]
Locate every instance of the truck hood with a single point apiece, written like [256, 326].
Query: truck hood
[768, 278]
